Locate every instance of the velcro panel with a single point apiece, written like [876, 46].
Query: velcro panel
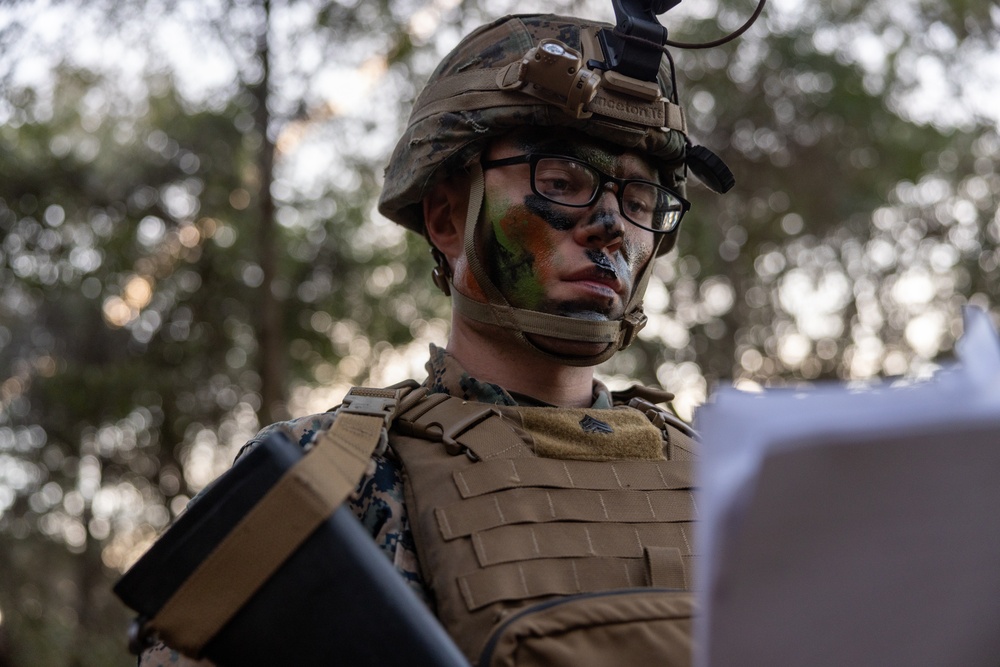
[503, 474]
[537, 578]
[544, 505]
[592, 434]
[521, 542]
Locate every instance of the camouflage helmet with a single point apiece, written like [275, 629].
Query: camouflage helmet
[533, 71]
[496, 81]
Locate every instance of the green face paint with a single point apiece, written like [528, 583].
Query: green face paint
[521, 256]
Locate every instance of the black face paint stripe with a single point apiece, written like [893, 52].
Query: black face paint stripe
[606, 219]
[546, 210]
[603, 262]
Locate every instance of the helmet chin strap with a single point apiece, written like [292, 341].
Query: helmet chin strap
[615, 334]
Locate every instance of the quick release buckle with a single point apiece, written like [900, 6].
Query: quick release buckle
[632, 324]
[454, 447]
[371, 402]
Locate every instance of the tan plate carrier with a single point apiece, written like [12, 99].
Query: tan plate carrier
[508, 506]
[501, 523]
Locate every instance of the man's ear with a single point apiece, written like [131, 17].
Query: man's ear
[445, 207]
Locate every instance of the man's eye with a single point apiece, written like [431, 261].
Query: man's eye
[557, 182]
[636, 206]
[638, 202]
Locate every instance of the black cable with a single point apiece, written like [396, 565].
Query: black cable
[718, 42]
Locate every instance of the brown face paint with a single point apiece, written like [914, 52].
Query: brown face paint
[522, 259]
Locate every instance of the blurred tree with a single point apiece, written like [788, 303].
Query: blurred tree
[188, 244]
[133, 278]
[862, 219]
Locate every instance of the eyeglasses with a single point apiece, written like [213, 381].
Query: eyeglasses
[570, 182]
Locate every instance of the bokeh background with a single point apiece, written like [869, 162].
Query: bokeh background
[189, 247]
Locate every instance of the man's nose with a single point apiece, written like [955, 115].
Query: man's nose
[604, 223]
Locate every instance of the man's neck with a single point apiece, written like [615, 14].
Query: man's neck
[496, 356]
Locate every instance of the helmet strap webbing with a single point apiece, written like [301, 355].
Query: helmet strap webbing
[617, 334]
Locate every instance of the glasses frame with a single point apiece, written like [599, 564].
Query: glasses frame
[532, 160]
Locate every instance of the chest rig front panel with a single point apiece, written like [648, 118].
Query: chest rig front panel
[499, 527]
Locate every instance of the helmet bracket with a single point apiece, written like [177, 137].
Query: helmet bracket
[635, 46]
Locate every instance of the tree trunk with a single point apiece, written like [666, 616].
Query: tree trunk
[271, 347]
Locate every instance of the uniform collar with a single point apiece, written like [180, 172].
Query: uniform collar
[446, 376]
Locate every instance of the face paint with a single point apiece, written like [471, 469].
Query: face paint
[606, 219]
[537, 252]
[546, 210]
[523, 253]
[523, 260]
[603, 262]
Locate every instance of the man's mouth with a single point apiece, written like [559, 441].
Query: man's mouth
[599, 278]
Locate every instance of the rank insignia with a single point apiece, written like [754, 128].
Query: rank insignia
[591, 425]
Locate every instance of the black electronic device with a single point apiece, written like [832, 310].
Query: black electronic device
[635, 46]
[336, 600]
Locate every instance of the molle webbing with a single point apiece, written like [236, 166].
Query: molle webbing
[572, 540]
[498, 527]
[471, 515]
[571, 576]
[502, 474]
[304, 497]
[461, 426]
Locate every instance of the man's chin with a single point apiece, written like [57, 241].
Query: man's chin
[578, 310]
[584, 310]
[566, 348]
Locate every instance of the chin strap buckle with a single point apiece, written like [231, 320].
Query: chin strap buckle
[632, 324]
[442, 272]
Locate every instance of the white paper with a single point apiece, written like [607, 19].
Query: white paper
[739, 429]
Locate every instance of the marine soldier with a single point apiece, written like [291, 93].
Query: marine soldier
[547, 183]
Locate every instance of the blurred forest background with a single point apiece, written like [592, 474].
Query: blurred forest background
[189, 247]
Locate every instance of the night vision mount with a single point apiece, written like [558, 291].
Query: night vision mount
[634, 48]
[635, 45]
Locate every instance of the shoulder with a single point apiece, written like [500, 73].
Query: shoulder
[301, 430]
[680, 439]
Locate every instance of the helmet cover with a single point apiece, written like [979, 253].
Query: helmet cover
[453, 118]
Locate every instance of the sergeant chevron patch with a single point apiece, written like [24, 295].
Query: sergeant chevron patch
[592, 425]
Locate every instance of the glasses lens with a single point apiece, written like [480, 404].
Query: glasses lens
[652, 207]
[565, 181]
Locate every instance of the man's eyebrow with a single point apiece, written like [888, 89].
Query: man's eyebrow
[556, 146]
[572, 149]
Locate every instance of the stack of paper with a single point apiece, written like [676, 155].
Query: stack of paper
[855, 526]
